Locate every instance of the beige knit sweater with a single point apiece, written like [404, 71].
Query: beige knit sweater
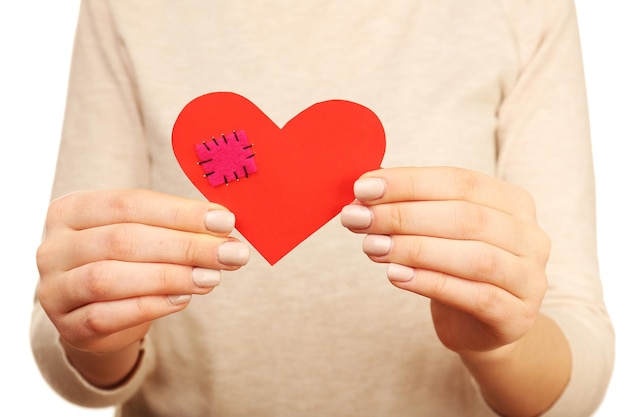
[490, 85]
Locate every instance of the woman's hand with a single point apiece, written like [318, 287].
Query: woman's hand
[467, 241]
[471, 244]
[111, 262]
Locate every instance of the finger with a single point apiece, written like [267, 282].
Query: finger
[106, 344]
[469, 260]
[443, 183]
[96, 321]
[141, 243]
[83, 210]
[115, 280]
[459, 220]
[490, 305]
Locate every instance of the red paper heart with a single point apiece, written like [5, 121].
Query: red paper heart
[305, 171]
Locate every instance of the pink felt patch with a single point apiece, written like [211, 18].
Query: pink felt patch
[226, 158]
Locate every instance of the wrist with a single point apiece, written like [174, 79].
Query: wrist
[491, 358]
[105, 370]
[526, 377]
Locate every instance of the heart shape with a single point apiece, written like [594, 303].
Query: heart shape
[298, 177]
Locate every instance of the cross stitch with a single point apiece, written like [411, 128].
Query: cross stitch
[226, 159]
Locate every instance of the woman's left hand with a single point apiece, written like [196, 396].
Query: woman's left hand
[467, 241]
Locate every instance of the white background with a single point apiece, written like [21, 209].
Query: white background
[36, 39]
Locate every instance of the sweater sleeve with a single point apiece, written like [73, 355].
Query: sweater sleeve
[544, 147]
[102, 146]
[67, 381]
[103, 143]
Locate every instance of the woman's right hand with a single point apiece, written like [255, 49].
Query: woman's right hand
[113, 261]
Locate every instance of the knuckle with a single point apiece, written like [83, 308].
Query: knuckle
[538, 247]
[96, 281]
[45, 291]
[541, 283]
[543, 286]
[44, 296]
[163, 278]
[525, 207]
[524, 319]
[56, 208]
[76, 335]
[486, 302]
[470, 220]
[71, 334]
[440, 285]
[176, 215]
[544, 247]
[95, 321]
[415, 248]
[467, 183]
[59, 209]
[398, 217]
[527, 203]
[190, 251]
[44, 257]
[118, 241]
[193, 249]
[413, 187]
[484, 264]
[122, 205]
[190, 214]
[140, 307]
[61, 206]
[143, 310]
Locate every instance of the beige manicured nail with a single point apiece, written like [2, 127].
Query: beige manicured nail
[205, 278]
[220, 221]
[233, 253]
[367, 189]
[376, 245]
[356, 217]
[179, 299]
[400, 273]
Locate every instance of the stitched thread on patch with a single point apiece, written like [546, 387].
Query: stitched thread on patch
[226, 158]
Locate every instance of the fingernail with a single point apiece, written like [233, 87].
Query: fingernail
[179, 299]
[233, 253]
[356, 217]
[400, 273]
[220, 221]
[205, 278]
[367, 189]
[377, 245]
